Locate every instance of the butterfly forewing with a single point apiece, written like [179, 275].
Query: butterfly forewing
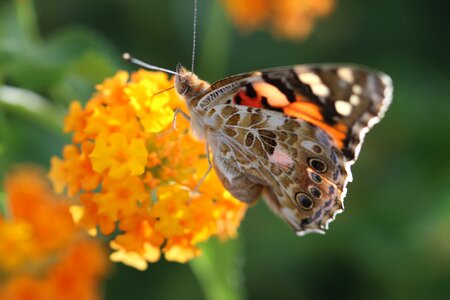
[342, 100]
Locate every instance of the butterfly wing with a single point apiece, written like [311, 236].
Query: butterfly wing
[296, 164]
[293, 133]
[345, 101]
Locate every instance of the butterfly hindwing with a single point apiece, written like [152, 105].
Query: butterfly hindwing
[296, 164]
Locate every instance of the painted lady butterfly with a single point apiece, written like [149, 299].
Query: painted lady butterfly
[290, 133]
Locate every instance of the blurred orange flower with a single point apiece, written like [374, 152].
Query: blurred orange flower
[290, 19]
[135, 174]
[42, 253]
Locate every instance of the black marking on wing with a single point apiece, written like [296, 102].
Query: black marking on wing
[280, 85]
[237, 99]
[304, 89]
[348, 153]
[250, 91]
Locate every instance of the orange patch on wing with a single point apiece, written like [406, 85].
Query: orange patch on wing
[310, 112]
[341, 127]
[307, 108]
[275, 98]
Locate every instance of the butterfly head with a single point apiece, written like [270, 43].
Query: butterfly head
[187, 84]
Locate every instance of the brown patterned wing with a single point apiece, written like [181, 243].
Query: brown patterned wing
[296, 164]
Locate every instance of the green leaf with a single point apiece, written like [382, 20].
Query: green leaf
[27, 103]
[89, 60]
[72, 55]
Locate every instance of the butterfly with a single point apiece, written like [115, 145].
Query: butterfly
[289, 133]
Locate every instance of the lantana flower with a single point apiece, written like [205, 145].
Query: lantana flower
[43, 255]
[289, 19]
[136, 176]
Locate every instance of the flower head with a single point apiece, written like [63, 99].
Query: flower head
[42, 253]
[291, 19]
[134, 174]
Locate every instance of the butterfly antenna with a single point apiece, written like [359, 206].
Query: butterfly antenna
[194, 36]
[128, 57]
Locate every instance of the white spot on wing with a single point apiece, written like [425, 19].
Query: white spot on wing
[355, 100]
[310, 78]
[342, 107]
[320, 90]
[316, 84]
[346, 74]
[357, 89]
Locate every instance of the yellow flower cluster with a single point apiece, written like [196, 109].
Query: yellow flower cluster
[290, 19]
[42, 254]
[135, 174]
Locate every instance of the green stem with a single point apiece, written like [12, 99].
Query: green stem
[5, 212]
[5, 140]
[218, 270]
[5, 136]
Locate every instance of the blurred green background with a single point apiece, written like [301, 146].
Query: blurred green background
[392, 242]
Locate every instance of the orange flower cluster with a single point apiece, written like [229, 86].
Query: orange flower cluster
[42, 254]
[135, 174]
[290, 19]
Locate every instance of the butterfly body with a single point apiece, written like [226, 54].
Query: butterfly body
[290, 133]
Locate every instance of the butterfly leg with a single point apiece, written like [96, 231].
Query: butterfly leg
[207, 171]
[177, 112]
